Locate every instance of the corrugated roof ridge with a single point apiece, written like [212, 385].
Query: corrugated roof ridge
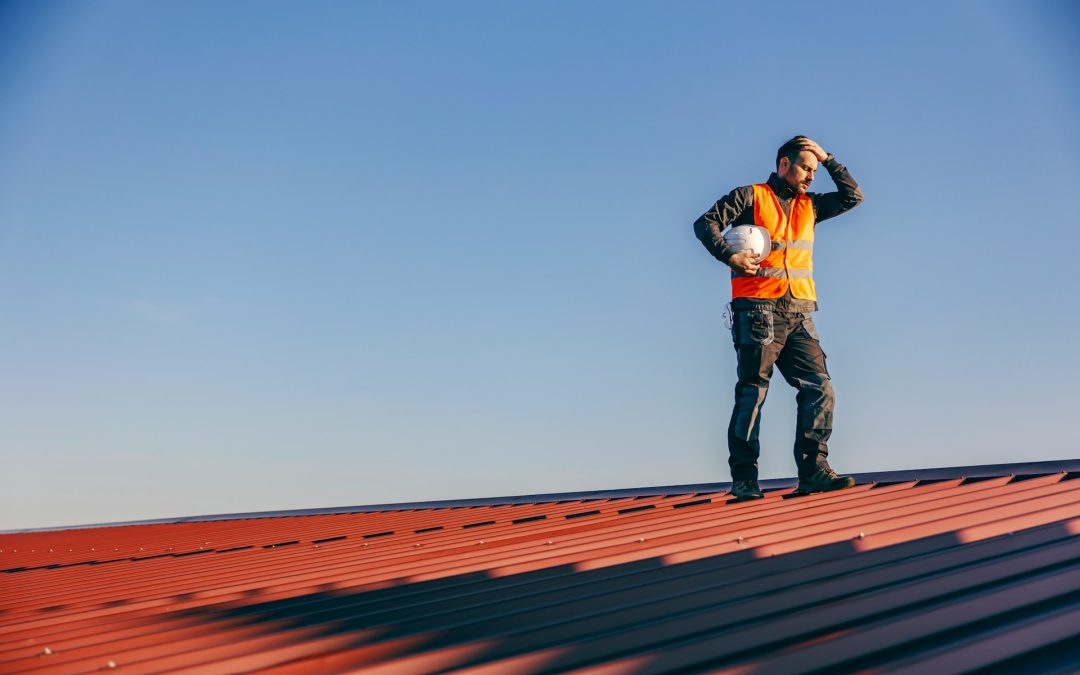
[939, 473]
[725, 523]
[113, 612]
[931, 487]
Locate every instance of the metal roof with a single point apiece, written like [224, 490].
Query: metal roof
[942, 570]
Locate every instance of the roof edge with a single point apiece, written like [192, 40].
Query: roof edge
[977, 471]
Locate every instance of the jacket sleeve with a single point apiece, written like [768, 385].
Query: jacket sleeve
[847, 195]
[723, 213]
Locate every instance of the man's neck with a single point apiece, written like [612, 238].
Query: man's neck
[780, 186]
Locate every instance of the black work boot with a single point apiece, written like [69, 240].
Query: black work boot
[744, 490]
[824, 479]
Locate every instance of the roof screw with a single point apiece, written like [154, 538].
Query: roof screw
[110, 664]
[549, 543]
[738, 540]
[364, 544]
[640, 539]
[50, 550]
[480, 542]
[862, 535]
[46, 651]
[92, 548]
[416, 545]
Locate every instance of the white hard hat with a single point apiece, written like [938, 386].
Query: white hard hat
[749, 237]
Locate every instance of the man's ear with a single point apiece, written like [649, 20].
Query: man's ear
[783, 166]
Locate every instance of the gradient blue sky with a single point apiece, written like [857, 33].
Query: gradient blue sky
[276, 255]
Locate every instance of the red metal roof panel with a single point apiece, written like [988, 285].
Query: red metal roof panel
[952, 570]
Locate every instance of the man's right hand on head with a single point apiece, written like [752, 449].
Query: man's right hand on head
[745, 263]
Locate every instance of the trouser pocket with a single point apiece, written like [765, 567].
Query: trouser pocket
[752, 327]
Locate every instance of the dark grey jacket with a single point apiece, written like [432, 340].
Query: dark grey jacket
[737, 208]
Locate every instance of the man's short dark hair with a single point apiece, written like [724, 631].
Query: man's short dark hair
[791, 149]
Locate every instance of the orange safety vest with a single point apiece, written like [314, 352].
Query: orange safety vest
[790, 263]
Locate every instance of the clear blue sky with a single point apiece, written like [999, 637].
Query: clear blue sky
[276, 255]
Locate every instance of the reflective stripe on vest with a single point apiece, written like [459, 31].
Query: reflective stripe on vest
[802, 244]
[789, 265]
[778, 273]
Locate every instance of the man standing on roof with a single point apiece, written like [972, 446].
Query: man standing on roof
[772, 299]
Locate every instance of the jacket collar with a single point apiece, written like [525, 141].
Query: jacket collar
[780, 187]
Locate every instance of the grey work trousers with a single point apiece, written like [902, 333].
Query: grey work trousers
[762, 338]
